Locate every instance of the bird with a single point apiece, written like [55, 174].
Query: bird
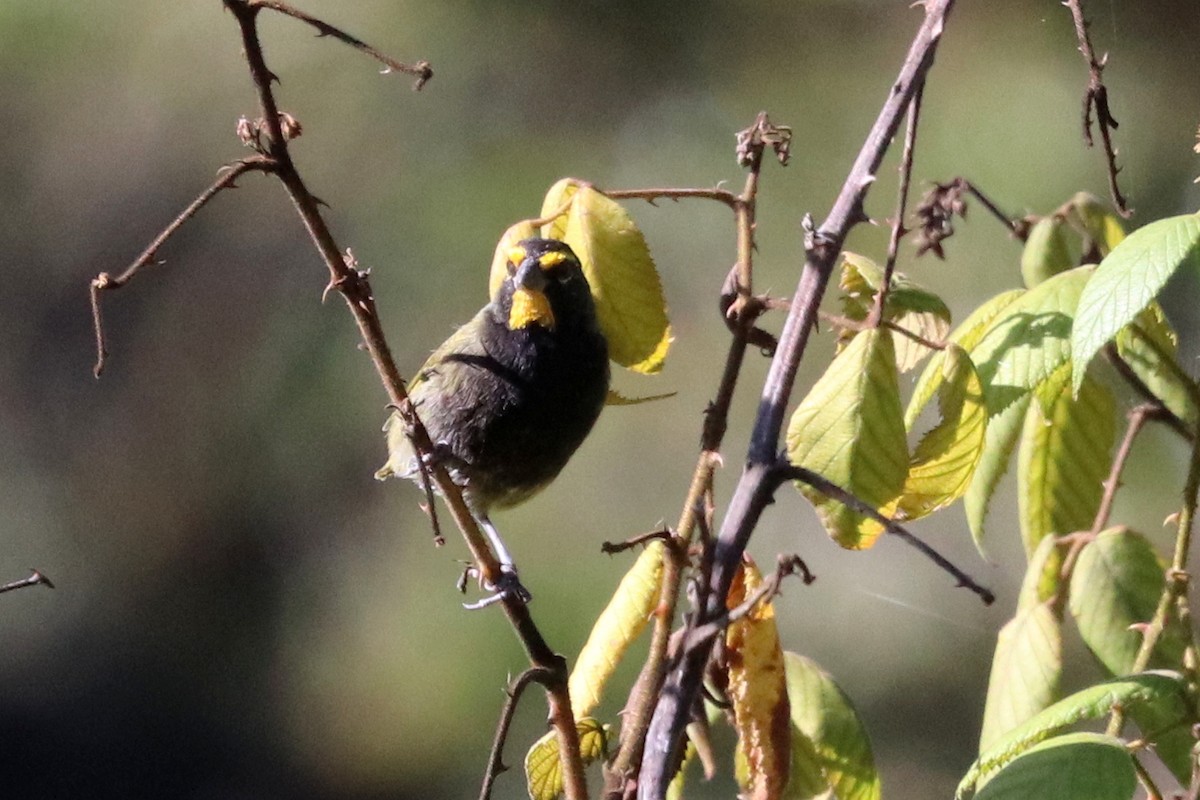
[509, 397]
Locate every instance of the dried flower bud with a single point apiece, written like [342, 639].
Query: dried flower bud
[247, 132]
[290, 126]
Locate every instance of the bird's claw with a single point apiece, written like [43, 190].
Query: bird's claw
[508, 586]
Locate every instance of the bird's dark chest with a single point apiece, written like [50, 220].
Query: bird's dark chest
[523, 406]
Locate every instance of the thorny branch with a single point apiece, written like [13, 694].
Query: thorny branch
[1096, 97]
[105, 282]
[898, 229]
[422, 70]
[755, 489]
[270, 139]
[514, 691]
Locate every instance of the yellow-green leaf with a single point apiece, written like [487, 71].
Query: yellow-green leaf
[850, 429]
[1077, 766]
[1003, 431]
[1101, 227]
[1043, 576]
[1046, 252]
[1026, 670]
[622, 276]
[909, 306]
[1063, 461]
[555, 206]
[621, 622]
[1029, 339]
[946, 456]
[1116, 584]
[757, 690]
[1148, 346]
[966, 336]
[831, 751]
[1165, 691]
[515, 233]
[1128, 279]
[543, 769]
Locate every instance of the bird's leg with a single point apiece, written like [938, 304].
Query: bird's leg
[509, 584]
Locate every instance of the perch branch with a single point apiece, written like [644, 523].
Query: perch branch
[756, 487]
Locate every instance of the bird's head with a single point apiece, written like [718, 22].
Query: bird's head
[545, 286]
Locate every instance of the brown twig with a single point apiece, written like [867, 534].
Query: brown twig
[756, 487]
[422, 70]
[862, 325]
[788, 565]
[650, 195]
[495, 764]
[1096, 97]
[661, 535]
[898, 230]
[1165, 414]
[35, 579]
[104, 282]
[1152, 790]
[858, 505]
[1138, 417]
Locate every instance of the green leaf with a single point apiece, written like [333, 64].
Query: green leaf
[850, 429]
[1029, 339]
[1165, 691]
[1026, 670]
[909, 306]
[1128, 279]
[1117, 583]
[1101, 227]
[966, 336]
[829, 730]
[543, 769]
[1078, 766]
[946, 456]
[1043, 576]
[1063, 462]
[1046, 252]
[1003, 431]
[622, 620]
[1172, 737]
[621, 273]
[1148, 346]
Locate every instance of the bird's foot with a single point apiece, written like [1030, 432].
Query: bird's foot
[509, 586]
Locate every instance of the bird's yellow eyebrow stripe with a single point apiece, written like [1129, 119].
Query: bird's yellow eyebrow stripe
[516, 255]
[551, 260]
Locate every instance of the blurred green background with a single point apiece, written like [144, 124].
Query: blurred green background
[242, 611]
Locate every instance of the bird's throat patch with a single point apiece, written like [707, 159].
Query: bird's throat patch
[529, 307]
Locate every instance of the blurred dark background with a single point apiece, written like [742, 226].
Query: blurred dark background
[242, 611]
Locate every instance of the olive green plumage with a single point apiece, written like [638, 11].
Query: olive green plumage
[510, 396]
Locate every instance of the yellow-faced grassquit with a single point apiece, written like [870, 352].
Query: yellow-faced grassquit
[510, 396]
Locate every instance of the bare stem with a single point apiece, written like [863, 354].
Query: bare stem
[1096, 97]
[422, 70]
[898, 229]
[34, 579]
[1137, 418]
[104, 282]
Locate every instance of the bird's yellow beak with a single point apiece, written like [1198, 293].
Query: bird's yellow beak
[530, 306]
